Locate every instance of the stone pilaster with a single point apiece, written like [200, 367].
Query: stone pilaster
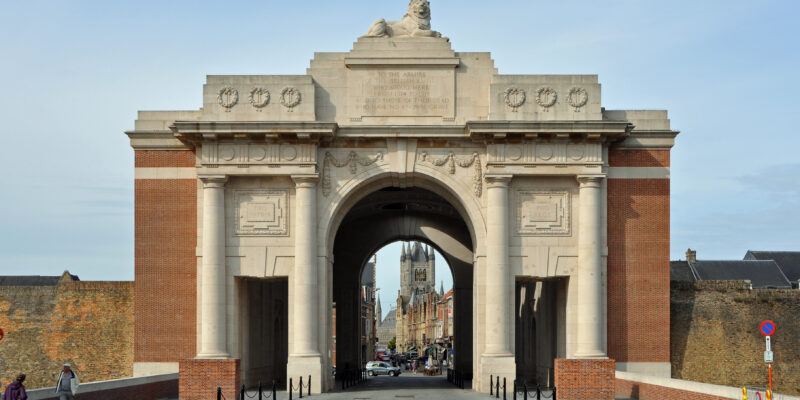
[304, 357]
[591, 314]
[213, 339]
[498, 356]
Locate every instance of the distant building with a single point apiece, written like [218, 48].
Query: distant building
[386, 328]
[762, 273]
[788, 261]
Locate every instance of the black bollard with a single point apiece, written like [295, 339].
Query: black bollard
[241, 395]
[497, 389]
[219, 393]
[309, 387]
[274, 390]
[301, 387]
[491, 384]
[554, 393]
[290, 388]
[515, 389]
[259, 391]
[525, 387]
[504, 388]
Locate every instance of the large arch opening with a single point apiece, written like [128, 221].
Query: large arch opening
[385, 215]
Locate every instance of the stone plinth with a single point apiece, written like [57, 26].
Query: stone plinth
[585, 379]
[199, 378]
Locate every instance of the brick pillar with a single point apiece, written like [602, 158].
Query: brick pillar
[199, 378]
[585, 379]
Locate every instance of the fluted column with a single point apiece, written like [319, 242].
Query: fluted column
[306, 292]
[591, 315]
[213, 342]
[498, 279]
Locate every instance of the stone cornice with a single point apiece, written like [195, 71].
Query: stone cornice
[648, 139]
[155, 140]
[405, 131]
[589, 130]
[198, 131]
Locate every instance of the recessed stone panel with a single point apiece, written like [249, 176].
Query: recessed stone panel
[543, 213]
[261, 212]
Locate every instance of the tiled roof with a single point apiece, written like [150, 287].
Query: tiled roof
[761, 274]
[32, 280]
[788, 261]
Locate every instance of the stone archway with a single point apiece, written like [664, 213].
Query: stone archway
[384, 216]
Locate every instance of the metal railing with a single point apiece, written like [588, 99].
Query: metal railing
[533, 391]
[260, 395]
[300, 386]
[351, 377]
[456, 378]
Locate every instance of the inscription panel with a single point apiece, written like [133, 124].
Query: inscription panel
[401, 92]
[543, 213]
[261, 212]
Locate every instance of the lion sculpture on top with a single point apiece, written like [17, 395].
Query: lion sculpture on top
[416, 23]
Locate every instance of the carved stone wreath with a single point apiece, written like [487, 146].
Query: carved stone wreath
[546, 97]
[577, 98]
[451, 161]
[259, 97]
[352, 161]
[227, 97]
[514, 98]
[290, 97]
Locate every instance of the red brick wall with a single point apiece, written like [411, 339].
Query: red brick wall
[638, 261]
[585, 379]
[644, 391]
[166, 266]
[199, 379]
[161, 158]
[88, 324]
[638, 158]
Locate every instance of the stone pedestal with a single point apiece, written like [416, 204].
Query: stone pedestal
[494, 366]
[304, 366]
[199, 378]
[585, 379]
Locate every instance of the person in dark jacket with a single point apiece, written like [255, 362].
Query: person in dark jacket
[16, 390]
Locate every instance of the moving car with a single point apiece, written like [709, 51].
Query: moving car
[376, 368]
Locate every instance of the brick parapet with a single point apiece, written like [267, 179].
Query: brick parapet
[638, 158]
[585, 379]
[644, 391]
[199, 378]
[164, 158]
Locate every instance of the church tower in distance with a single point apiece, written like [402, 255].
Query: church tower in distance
[418, 269]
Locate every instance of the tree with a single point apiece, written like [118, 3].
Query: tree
[393, 343]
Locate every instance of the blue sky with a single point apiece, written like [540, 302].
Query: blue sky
[75, 73]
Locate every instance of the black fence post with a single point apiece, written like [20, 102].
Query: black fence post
[309, 387]
[525, 388]
[301, 387]
[504, 388]
[274, 390]
[554, 393]
[515, 389]
[219, 393]
[259, 391]
[290, 388]
[497, 389]
[491, 385]
[538, 391]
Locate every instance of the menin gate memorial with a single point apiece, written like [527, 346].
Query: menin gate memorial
[256, 213]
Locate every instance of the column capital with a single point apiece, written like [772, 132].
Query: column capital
[305, 181]
[213, 181]
[590, 180]
[498, 180]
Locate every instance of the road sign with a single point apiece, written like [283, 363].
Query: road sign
[768, 357]
[767, 328]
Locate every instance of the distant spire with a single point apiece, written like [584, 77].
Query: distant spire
[402, 252]
[430, 252]
[378, 313]
[441, 293]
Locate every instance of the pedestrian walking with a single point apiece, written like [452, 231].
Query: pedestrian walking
[67, 384]
[16, 390]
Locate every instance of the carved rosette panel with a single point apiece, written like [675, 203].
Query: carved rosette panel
[227, 97]
[543, 213]
[261, 212]
[352, 161]
[514, 98]
[290, 98]
[547, 153]
[577, 98]
[450, 161]
[247, 154]
[259, 98]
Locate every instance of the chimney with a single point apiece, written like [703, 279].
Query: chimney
[691, 255]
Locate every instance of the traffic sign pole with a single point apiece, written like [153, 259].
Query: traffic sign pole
[767, 329]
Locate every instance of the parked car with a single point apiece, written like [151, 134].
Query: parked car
[384, 357]
[376, 368]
